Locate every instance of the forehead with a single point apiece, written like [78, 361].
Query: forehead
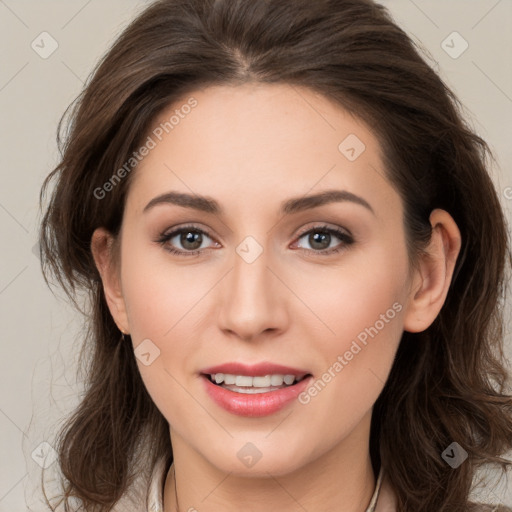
[240, 141]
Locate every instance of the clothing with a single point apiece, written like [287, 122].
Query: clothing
[387, 503]
[156, 489]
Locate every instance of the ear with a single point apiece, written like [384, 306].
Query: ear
[432, 279]
[102, 248]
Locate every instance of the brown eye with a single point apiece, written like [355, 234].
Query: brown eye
[184, 241]
[320, 239]
[191, 240]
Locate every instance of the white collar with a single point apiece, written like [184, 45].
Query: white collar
[155, 496]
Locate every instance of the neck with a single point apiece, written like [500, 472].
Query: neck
[340, 480]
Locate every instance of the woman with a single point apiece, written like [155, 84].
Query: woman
[295, 258]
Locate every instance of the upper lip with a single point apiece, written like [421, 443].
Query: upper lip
[254, 370]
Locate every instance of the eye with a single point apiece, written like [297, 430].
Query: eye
[320, 238]
[190, 238]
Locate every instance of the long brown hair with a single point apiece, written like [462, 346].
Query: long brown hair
[448, 383]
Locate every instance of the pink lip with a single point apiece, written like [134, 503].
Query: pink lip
[254, 404]
[254, 370]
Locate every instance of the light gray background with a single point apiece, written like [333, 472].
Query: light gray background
[37, 328]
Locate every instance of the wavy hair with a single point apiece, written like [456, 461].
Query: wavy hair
[448, 383]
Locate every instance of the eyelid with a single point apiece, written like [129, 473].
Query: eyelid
[323, 225]
[344, 235]
[170, 233]
[191, 226]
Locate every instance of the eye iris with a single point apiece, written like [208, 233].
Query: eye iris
[193, 238]
[320, 238]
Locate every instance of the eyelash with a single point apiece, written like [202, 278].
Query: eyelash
[346, 239]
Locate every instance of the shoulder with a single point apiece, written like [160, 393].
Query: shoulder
[480, 507]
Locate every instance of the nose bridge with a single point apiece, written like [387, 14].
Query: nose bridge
[250, 303]
[250, 272]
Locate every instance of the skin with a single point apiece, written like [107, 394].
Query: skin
[250, 148]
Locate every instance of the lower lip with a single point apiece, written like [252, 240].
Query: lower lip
[255, 404]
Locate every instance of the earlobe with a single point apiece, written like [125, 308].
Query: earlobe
[102, 244]
[435, 270]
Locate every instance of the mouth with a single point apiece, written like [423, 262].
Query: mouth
[254, 390]
[247, 384]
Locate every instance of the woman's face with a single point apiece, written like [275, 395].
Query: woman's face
[272, 281]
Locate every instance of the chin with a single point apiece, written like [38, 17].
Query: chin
[252, 459]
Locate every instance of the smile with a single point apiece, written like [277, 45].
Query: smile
[254, 391]
[258, 384]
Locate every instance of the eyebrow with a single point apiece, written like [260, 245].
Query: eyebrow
[288, 207]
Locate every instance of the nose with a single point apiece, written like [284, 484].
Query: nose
[252, 301]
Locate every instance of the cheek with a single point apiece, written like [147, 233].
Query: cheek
[362, 305]
[345, 302]
[353, 313]
[355, 361]
[365, 291]
[161, 302]
[160, 295]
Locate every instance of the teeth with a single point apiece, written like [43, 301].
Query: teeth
[277, 380]
[261, 382]
[288, 379]
[228, 379]
[244, 381]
